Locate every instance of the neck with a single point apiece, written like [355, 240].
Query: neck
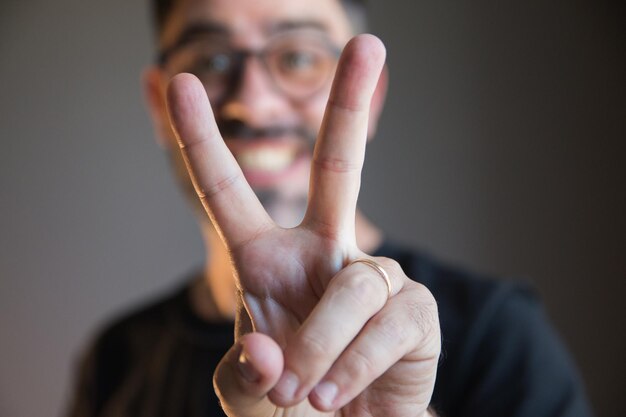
[214, 297]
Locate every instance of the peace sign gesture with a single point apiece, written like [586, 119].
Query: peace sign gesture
[355, 338]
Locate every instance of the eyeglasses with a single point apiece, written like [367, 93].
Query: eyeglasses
[299, 65]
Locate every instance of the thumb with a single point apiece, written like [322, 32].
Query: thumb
[246, 374]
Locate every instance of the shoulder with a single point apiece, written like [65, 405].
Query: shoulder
[500, 353]
[142, 322]
[461, 294]
[116, 348]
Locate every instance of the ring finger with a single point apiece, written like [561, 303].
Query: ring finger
[403, 335]
[353, 296]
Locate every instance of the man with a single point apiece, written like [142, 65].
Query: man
[326, 320]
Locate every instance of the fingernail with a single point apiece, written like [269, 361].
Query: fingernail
[326, 392]
[287, 385]
[247, 370]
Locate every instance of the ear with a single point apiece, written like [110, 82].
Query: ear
[154, 87]
[378, 102]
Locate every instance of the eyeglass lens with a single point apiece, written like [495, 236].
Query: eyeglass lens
[299, 66]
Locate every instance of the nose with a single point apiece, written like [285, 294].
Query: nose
[254, 99]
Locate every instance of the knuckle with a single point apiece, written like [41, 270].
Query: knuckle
[338, 165]
[360, 289]
[347, 106]
[394, 270]
[218, 186]
[392, 266]
[358, 365]
[423, 314]
[313, 347]
[422, 294]
[394, 327]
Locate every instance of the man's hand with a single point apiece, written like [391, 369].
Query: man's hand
[318, 327]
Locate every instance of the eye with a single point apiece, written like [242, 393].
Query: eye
[214, 64]
[298, 60]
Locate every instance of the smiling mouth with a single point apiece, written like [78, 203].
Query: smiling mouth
[271, 155]
[271, 160]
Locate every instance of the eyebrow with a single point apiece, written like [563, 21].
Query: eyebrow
[192, 31]
[201, 28]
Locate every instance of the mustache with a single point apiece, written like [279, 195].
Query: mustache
[239, 130]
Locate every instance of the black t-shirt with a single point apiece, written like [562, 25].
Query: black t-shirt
[500, 357]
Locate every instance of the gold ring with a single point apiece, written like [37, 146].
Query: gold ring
[381, 271]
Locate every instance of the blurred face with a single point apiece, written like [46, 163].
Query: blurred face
[267, 67]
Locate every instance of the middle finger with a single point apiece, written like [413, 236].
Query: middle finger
[340, 148]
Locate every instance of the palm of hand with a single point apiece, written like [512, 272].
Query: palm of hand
[283, 274]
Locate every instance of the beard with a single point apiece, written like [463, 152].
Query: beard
[286, 211]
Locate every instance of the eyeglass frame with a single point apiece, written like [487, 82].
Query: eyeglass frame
[241, 55]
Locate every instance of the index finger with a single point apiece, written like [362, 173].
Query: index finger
[340, 148]
[230, 202]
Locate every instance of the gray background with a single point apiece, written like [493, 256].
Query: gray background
[500, 149]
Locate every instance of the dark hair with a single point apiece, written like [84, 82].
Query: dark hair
[161, 9]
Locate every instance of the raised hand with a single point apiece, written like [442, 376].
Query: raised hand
[318, 326]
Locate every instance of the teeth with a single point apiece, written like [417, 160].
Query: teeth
[271, 160]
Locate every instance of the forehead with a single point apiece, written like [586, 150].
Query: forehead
[250, 21]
